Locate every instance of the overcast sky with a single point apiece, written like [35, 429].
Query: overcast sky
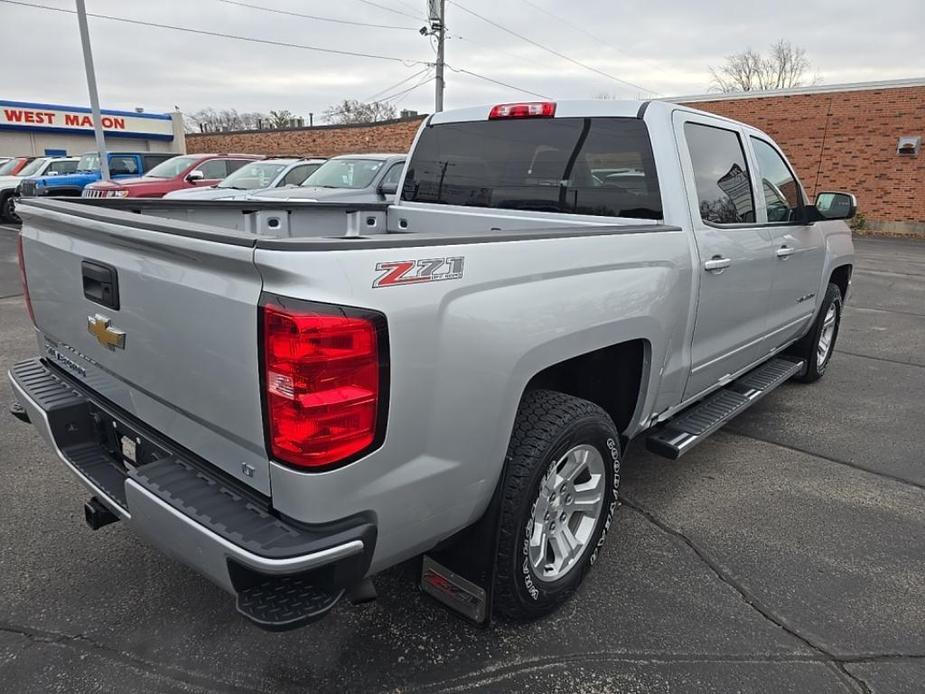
[664, 46]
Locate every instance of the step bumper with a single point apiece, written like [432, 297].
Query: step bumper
[228, 533]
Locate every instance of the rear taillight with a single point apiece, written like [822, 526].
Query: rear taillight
[527, 109]
[325, 376]
[22, 278]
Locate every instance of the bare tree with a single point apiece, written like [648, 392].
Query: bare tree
[784, 66]
[210, 120]
[280, 119]
[354, 111]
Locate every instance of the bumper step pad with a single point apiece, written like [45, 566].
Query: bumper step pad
[287, 602]
[696, 423]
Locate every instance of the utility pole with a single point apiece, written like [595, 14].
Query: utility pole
[436, 12]
[91, 87]
[438, 76]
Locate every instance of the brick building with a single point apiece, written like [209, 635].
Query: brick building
[319, 141]
[838, 137]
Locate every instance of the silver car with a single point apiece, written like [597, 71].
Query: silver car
[258, 176]
[350, 178]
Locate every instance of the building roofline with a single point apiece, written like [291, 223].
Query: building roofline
[335, 126]
[816, 89]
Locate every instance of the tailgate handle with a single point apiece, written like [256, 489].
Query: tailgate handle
[101, 284]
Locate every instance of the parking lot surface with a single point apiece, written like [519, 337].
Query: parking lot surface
[786, 553]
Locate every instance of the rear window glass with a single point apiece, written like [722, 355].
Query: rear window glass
[593, 166]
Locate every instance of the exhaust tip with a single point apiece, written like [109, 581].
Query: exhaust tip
[97, 514]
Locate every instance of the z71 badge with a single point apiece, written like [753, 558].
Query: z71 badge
[400, 272]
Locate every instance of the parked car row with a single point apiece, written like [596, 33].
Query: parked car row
[15, 170]
[345, 178]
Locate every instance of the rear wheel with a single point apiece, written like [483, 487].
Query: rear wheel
[818, 345]
[7, 209]
[559, 498]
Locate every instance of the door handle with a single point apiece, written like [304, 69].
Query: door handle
[717, 264]
[785, 252]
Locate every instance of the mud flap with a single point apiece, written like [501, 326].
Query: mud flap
[461, 572]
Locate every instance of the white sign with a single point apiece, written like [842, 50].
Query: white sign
[16, 115]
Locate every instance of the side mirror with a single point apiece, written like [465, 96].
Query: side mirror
[388, 188]
[832, 205]
[195, 175]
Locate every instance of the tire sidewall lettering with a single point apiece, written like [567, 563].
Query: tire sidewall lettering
[613, 448]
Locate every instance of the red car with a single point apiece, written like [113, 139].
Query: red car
[12, 166]
[177, 173]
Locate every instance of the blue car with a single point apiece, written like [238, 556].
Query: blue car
[121, 165]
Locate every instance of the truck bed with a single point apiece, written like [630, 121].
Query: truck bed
[319, 226]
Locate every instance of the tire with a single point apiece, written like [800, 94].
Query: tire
[553, 433]
[809, 348]
[7, 213]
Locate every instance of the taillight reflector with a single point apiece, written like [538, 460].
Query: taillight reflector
[22, 278]
[527, 109]
[322, 381]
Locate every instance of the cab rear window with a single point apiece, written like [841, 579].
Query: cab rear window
[591, 166]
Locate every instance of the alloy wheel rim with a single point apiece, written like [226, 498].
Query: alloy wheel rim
[824, 348]
[566, 512]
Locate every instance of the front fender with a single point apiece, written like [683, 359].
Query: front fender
[839, 251]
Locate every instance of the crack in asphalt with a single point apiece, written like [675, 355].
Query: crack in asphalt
[886, 359]
[179, 676]
[851, 306]
[834, 661]
[495, 674]
[822, 456]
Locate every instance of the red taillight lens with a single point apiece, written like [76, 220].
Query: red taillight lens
[22, 278]
[323, 382]
[528, 109]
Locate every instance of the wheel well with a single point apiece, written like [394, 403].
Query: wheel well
[841, 276]
[609, 377]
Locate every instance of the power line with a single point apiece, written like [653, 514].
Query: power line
[396, 85]
[429, 78]
[489, 79]
[316, 17]
[413, 9]
[388, 9]
[235, 37]
[578, 27]
[550, 50]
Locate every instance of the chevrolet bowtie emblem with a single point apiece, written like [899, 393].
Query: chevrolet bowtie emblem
[100, 327]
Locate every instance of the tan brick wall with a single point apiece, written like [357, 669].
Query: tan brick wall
[860, 143]
[322, 141]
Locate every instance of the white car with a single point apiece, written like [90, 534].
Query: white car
[265, 174]
[41, 166]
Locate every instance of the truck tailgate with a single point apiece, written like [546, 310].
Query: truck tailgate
[187, 365]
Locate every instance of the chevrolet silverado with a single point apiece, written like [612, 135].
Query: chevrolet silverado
[290, 397]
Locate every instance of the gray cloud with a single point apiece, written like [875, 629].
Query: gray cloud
[662, 45]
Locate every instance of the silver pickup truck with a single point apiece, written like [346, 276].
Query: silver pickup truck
[291, 397]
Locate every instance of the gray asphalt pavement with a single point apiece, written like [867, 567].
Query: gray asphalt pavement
[787, 553]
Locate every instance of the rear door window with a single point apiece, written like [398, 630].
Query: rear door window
[149, 161]
[298, 174]
[123, 165]
[232, 165]
[724, 188]
[589, 166]
[214, 168]
[62, 167]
